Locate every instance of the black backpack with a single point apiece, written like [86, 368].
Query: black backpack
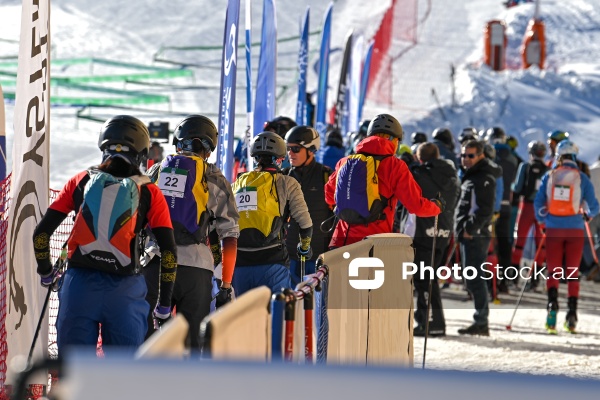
[533, 179]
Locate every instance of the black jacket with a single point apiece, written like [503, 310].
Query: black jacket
[447, 153]
[312, 179]
[509, 164]
[478, 193]
[437, 176]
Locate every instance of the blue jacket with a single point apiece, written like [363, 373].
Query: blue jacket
[330, 155]
[572, 221]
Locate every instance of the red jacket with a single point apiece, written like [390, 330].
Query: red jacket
[395, 183]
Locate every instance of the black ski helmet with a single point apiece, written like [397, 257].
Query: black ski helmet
[196, 127]
[305, 136]
[495, 135]
[268, 144]
[537, 149]
[363, 126]
[385, 123]
[280, 125]
[418, 137]
[468, 133]
[443, 135]
[334, 138]
[125, 130]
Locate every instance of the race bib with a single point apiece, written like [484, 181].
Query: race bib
[172, 181]
[562, 193]
[246, 199]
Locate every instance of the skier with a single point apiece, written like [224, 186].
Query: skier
[525, 188]
[197, 192]
[302, 143]
[393, 179]
[443, 139]
[103, 284]
[433, 175]
[266, 199]
[509, 164]
[565, 197]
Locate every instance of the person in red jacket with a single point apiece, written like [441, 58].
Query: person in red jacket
[394, 179]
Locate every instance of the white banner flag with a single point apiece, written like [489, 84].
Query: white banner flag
[29, 191]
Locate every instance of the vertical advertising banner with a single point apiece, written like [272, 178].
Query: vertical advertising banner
[2, 137]
[301, 118]
[322, 87]
[31, 150]
[225, 160]
[265, 102]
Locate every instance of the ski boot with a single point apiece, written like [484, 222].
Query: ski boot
[552, 311]
[571, 322]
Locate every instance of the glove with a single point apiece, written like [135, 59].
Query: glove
[50, 279]
[543, 228]
[495, 217]
[440, 202]
[586, 217]
[306, 253]
[161, 316]
[223, 297]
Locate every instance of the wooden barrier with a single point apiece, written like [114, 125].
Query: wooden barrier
[240, 330]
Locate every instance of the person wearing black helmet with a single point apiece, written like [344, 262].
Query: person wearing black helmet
[416, 138]
[103, 284]
[443, 139]
[468, 133]
[302, 144]
[496, 136]
[280, 125]
[529, 179]
[434, 175]
[395, 183]
[266, 199]
[355, 138]
[196, 192]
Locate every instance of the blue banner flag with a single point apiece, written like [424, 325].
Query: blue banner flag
[321, 123]
[302, 66]
[225, 160]
[246, 160]
[364, 82]
[264, 103]
[341, 102]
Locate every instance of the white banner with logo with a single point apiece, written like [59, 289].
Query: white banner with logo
[29, 191]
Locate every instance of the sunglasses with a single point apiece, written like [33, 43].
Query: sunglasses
[294, 149]
[465, 155]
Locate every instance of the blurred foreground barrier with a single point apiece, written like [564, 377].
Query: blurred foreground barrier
[240, 330]
[371, 326]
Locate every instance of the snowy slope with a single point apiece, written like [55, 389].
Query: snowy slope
[526, 103]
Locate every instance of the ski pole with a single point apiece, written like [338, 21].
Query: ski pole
[435, 232]
[537, 254]
[589, 235]
[308, 328]
[302, 267]
[290, 315]
[57, 266]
